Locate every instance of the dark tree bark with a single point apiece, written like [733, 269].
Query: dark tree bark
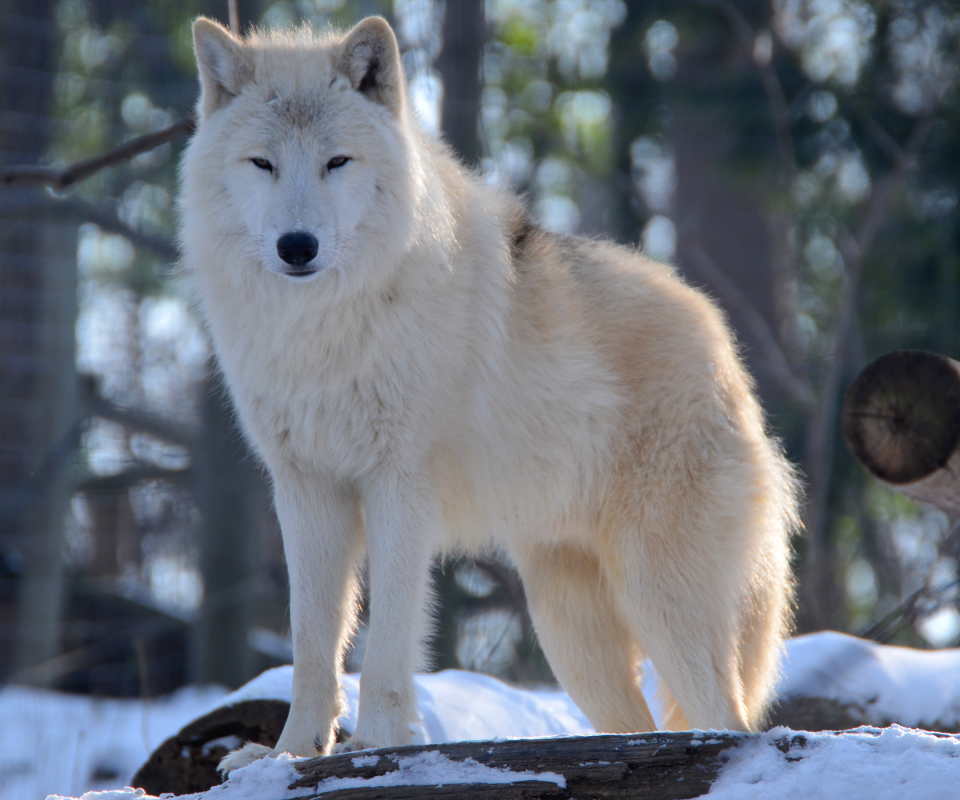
[37, 319]
[459, 64]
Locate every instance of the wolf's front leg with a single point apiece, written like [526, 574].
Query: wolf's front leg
[322, 543]
[402, 528]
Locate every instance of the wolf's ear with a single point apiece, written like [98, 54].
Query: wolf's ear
[224, 64]
[370, 58]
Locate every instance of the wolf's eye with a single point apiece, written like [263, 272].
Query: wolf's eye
[262, 163]
[337, 161]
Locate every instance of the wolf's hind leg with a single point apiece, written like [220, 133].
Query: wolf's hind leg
[590, 649]
[766, 619]
[684, 610]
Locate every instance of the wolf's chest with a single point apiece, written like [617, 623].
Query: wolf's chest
[345, 430]
[313, 404]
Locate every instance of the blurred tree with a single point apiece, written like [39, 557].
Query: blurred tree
[228, 491]
[464, 32]
[36, 346]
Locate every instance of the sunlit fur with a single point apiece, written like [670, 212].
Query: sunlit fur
[453, 376]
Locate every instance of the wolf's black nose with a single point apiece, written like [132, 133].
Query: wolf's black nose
[297, 248]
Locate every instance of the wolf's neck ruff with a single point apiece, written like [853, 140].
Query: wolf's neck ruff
[420, 366]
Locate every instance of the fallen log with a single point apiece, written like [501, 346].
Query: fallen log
[187, 763]
[901, 421]
[657, 766]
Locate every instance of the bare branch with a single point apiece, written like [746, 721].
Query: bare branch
[111, 484]
[94, 653]
[27, 203]
[877, 208]
[906, 614]
[881, 138]
[737, 301]
[61, 177]
[143, 421]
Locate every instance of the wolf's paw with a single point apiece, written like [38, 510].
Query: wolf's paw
[247, 754]
[353, 745]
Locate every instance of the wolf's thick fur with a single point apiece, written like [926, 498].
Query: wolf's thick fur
[451, 375]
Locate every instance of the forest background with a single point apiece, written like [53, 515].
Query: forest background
[798, 159]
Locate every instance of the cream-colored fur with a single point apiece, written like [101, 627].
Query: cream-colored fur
[453, 376]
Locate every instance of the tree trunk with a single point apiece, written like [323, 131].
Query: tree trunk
[227, 491]
[37, 320]
[901, 421]
[459, 64]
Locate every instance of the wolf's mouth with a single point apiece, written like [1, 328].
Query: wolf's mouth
[299, 274]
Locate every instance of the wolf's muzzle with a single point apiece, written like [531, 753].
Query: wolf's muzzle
[297, 248]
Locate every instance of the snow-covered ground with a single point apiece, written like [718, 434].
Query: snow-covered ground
[67, 745]
[919, 688]
[894, 763]
[455, 706]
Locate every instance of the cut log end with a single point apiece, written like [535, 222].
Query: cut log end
[187, 762]
[901, 418]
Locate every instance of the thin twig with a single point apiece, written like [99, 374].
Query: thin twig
[61, 177]
[737, 301]
[909, 611]
[881, 138]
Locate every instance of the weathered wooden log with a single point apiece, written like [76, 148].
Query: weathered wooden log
[653, 766]
[658, 766]
[901, 421]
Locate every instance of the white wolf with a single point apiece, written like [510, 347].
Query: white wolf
[422, 367]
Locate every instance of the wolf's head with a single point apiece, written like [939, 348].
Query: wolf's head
[302, 158]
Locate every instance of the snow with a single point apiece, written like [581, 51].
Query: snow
[57, 744]
[895, 763]
[270, 777]
[919, 688]
[52, 742]
[432, 768]
[262, 780]
[455, 706]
